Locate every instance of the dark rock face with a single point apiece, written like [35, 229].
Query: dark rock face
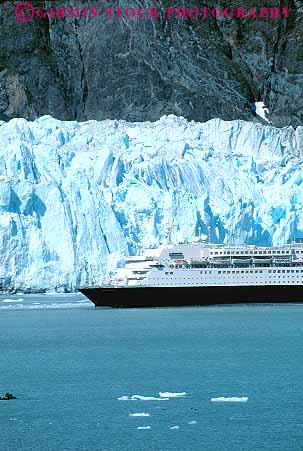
[140, 69]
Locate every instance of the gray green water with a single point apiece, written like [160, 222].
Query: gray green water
[68, 363]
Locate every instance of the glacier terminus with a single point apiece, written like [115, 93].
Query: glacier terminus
[77, 197]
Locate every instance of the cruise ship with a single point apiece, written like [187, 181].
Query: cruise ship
[204, 274]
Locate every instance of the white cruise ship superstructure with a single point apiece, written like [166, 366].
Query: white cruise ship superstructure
[203, 274]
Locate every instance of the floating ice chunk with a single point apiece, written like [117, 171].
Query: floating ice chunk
[149, 398]
[144, 427]
[175, 427]
[13, 300]
[142, 414]
[230, 399]
[168, 394]
[17, 305]
[192, 422]
[141, 398]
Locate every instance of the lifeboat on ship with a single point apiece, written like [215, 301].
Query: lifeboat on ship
[199, 263]
[262, 260]
[241, 261]
[220, 262]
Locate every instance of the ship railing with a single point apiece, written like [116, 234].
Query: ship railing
[218, 259]
[135, 278]
[138, 259]
[199, 265]
[225, 263]
[282, 258]
[214, 260]
[280, 261]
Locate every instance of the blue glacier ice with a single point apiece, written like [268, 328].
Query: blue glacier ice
[75, 198]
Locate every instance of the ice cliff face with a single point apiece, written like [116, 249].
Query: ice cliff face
[76, 197]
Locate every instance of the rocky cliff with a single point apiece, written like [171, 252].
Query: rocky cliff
[79, 68]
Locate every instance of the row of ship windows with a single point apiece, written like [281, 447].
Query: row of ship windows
[195, 282]
[251, 271]
[254, 253]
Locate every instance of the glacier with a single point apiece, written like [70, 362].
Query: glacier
[77, 197]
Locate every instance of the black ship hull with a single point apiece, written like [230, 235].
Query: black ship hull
[135, 297]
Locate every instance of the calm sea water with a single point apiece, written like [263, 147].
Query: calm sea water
[68, 363]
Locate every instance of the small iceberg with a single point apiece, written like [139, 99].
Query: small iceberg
[143, 427]
[230, 399]
[167, 394]
[175, 427]
[12, 300]
[192, 422]
[143, 414]
[141, 398]
[148, 398]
